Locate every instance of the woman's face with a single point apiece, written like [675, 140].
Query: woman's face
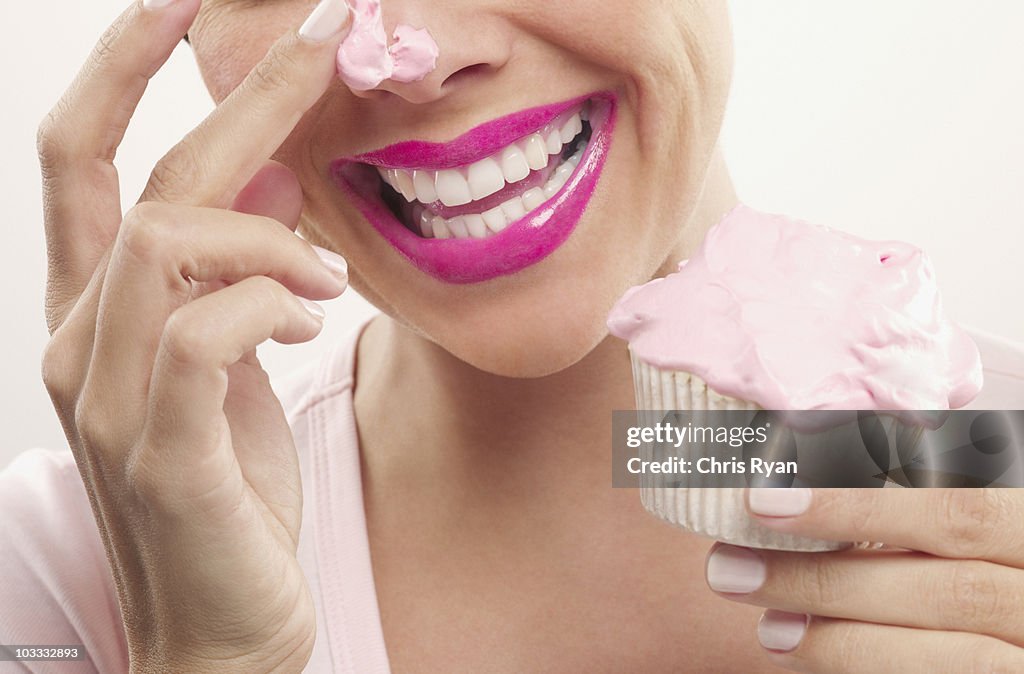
[666, 62]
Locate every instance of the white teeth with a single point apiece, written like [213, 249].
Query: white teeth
[475, 225]
[452, 188]
[426, 224]
[513, 209]
[533, 198]
[571, 128]
[513, 164]
[423, 181]
[556, 181]
[536, 152]
[440, 228]
[485, 178]
[460, 186]
[403, 180]
[495, 219]
[554, 143]
[457, 226]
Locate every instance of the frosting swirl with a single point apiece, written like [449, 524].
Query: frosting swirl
[792, 315]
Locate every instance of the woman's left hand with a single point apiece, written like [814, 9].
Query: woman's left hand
[947, 596]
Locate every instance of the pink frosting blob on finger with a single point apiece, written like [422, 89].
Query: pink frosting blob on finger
[365, 59]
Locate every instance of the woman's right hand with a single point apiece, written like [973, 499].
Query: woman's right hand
[155, 316]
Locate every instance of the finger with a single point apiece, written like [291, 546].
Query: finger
[889, 587]
[958, 523]
[186, 441]
[826, 645]
[78, 139]
[274, 192]
[161, 250]
[219, 157]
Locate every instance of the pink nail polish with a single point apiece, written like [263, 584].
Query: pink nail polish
[781, 631]
[326, 20]
[773, 502]
[734, 569]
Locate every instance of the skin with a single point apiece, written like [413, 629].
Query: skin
[516, 529]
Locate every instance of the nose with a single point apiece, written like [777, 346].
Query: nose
[464, 53]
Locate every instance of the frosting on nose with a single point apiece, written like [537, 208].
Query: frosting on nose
[365, 59]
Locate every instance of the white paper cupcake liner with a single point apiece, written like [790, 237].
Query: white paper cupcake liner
[715, 512]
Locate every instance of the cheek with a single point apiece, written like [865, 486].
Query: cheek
[229, 41]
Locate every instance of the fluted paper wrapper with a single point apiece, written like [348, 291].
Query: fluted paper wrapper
[715, 512]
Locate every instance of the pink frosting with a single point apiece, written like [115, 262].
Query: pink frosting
[792, 315]
[365, 60]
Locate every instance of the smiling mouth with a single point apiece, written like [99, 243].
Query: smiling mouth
[491, 202]
[480, 200]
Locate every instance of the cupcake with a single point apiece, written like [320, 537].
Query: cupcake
[778, 314]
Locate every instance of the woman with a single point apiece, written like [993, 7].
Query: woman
[454, 499]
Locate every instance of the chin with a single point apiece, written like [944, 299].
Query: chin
[525, 347]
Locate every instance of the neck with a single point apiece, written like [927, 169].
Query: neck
[460, 418]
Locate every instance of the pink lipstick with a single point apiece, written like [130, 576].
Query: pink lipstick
[497, 199]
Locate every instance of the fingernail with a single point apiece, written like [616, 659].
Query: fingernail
[781, 631]
[734, 569]
[156, 4]
[332, 261]
[779, 502]
[313, 308]
[325, 21]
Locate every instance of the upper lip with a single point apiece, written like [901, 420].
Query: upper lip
[476, 144]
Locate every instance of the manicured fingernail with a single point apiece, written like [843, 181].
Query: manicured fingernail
[332, 261]
[735, 569]
[325, 21]
[781, 631]
[780, 502]
[156, 4]
[313, 308]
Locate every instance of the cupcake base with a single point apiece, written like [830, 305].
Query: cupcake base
[715, 512]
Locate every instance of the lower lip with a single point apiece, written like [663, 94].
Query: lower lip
[523, 243]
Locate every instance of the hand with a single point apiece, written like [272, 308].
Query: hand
[947, 598]
[186, 456]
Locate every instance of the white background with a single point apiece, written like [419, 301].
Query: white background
[887, 119]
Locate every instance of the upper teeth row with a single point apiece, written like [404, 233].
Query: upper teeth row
[455, 187]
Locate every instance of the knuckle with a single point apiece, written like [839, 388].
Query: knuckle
[106, 46]
[857, 508]
[143, 480]
[972, 598]
[142, 232]
[59, 370]
[264, 294]
[174, 176]
[52, 139]
[274, 71]
[268, 291]
[815, 582]
[825, 583]
[93, 423]
[969, 520]
[184, 339]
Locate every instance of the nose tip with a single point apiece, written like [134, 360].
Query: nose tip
[366, 59]
[422, 71]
